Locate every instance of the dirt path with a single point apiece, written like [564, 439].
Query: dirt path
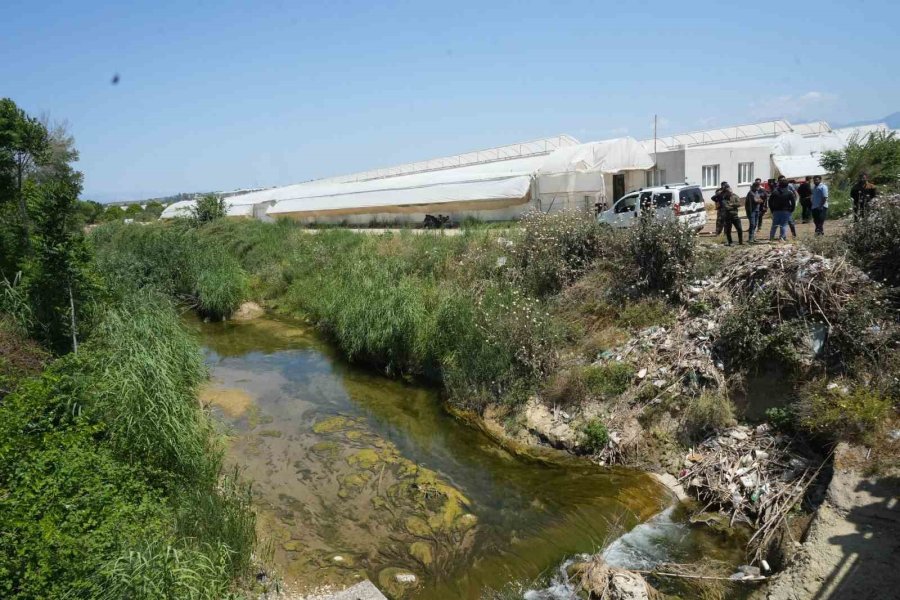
[852, 550]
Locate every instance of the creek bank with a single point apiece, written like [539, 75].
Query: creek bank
[853, 542]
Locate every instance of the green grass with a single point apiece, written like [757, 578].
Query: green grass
[608, 380]
[708, 412]
[595, 436]
[110, 473]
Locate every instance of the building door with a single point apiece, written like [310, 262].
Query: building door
[618, 186]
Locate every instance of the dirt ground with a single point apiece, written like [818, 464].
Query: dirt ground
[852, 549]
[804, 230]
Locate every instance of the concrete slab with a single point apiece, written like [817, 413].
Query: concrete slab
[365, 590]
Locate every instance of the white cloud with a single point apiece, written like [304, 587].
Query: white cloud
[810, 105]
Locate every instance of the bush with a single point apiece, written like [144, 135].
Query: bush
[843, 412]
[140, 374]
[708, 412]
[872, 241]
[780, 418]
[554, 249]
[595, 436]
[207, 209]
[107, 454]
[608, 380]
[657, 257]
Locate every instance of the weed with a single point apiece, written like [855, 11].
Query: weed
[843, 411]
[595, 436]
[608, 380]
[708, 412]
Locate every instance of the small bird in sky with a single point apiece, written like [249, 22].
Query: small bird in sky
[115, 79]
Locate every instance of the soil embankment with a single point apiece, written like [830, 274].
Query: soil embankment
[853, 543]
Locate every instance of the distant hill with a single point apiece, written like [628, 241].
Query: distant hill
[892, 121]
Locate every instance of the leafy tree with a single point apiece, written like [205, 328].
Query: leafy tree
[24, 146]
[208, 208]
[133, 211]
[111, 213]
[152, 211]
[58, 275]
[878, 156]
[90, 211]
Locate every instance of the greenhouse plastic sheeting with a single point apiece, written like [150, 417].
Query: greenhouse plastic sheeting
[355, 197]
[570, 169]
[182, 208]
[799, 166]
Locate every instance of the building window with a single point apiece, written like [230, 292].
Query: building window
[710, 176]
[745, 172]
[656, 177]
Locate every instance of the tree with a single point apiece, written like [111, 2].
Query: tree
[58, 275]
[90, 211]
[24, 145]
[152, 211]
[878, 157]
[208, 208]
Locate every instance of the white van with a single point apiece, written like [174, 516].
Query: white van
[682, 201]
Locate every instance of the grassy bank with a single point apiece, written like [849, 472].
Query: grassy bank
[495, 316]
[111, 482]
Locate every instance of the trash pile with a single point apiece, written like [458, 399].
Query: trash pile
[799, 283]
[752, 474]
[675, 360]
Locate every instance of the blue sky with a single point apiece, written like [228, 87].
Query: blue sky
[222, 95]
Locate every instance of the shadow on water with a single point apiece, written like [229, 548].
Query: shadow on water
[357, 475]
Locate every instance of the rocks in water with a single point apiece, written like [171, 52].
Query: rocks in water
[606, 582]
[396, 582]
[248, 311]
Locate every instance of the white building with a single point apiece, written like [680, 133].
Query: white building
[495, 184]
[549, 174]
[740, 154]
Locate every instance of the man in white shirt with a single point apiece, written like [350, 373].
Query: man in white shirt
[819, 204]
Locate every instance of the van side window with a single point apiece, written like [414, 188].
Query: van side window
[628, 203]
[690, 195]
[663, 200]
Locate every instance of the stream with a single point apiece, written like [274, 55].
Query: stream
[356, 476]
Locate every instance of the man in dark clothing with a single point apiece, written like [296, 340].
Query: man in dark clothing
[781, 202]
[861, 192]
[731, 204]
[804, 190]
[753, 206]
[720, 214]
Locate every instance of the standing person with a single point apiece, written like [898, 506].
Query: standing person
[731, 204]
[781, 203]
[765, 191]
[753, 206]
[720, 215]
[861, 192]
[791, 223]
[804, 191]
[819, 204]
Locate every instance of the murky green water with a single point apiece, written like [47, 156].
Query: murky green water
[357, 475]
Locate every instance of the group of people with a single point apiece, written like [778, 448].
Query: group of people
[781, 197]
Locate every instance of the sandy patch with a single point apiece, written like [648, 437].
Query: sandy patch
[234, 402]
